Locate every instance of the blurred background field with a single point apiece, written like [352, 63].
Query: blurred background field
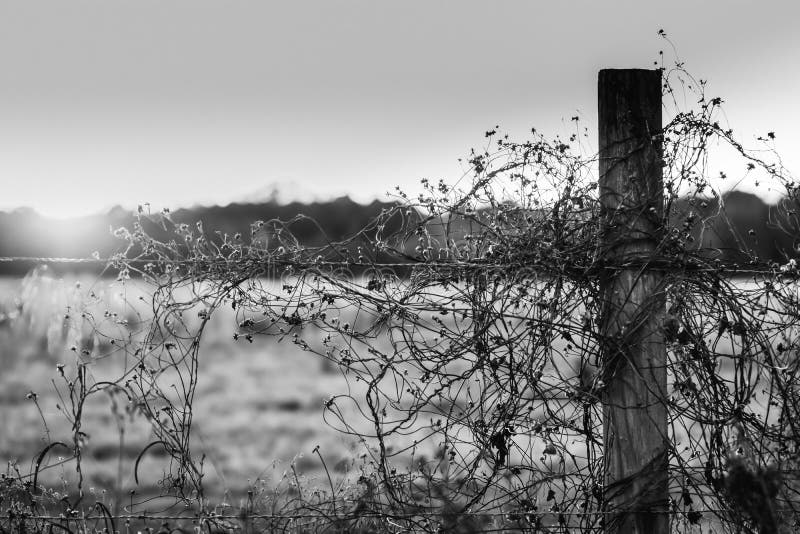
[258, 408]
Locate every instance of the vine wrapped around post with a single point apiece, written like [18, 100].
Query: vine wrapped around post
[491, 331]
[634, 302]
[498, 329]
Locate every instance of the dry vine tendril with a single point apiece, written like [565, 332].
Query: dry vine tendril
[465, 319]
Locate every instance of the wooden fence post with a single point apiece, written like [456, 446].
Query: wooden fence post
[634, 355]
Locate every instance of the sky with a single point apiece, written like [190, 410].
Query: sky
[184, 102]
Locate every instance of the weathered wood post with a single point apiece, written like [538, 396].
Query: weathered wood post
[633, 351]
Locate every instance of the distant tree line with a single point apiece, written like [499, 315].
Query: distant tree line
[747, 223]
[740, 225]
[26, 233]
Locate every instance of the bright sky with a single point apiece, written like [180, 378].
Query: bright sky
[177, 102]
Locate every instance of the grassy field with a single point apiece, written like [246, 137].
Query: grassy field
[258, 407]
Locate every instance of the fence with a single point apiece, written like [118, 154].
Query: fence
[571, 356]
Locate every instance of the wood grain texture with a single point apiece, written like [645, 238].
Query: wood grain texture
[633, 350]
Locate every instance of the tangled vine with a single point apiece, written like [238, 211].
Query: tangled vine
[466, 322]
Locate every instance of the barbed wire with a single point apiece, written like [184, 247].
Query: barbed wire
[769, 267]
[375, 515]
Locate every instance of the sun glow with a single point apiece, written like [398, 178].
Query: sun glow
[63, 209]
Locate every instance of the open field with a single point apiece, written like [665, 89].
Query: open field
[256, 403]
